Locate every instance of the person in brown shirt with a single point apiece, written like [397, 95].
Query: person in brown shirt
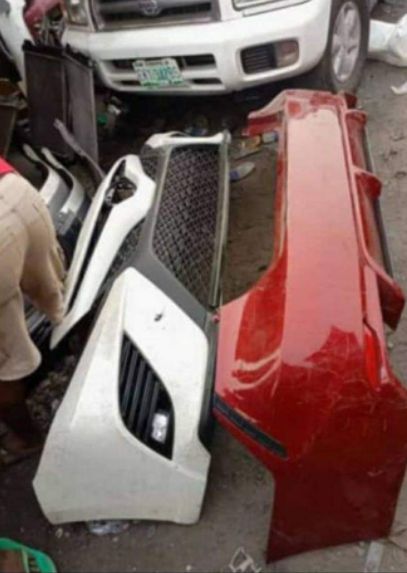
[31, 265]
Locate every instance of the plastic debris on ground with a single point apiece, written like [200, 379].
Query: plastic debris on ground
[400, 90]
[241, 171]
[15, 556]
[246, 147]
[374, 557]
[112, 527]
[388, 42]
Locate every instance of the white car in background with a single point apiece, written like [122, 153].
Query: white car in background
[214, 46]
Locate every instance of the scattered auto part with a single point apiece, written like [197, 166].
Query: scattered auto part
[13, 33]
[45, 66]
[97, 172]
[65, 198]
[8, 116]
[69, 77]
[111, 218]
[18, 22]
[68, 204]
[303, 377]
[137, 411]
[81, 96]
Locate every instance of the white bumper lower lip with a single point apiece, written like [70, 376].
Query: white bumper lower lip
[308, 23]
[92, 467]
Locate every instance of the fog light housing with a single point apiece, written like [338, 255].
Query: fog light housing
[267, 57]
[287, 53]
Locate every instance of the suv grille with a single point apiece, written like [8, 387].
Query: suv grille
[142, 394]
[131, 13]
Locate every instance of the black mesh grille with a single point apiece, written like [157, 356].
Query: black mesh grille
[259, 59]
[185, 232]
[123, 256]
[142, 395]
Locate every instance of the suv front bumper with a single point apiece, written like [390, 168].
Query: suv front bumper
[114, 51]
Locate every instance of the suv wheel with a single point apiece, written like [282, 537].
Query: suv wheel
[342, 64]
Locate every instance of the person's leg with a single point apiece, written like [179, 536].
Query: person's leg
[18, 359]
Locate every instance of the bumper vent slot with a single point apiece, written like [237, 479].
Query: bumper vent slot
[259, 59]
[142, 395]
[185, 232]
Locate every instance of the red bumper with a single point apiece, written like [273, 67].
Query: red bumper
[303, 377]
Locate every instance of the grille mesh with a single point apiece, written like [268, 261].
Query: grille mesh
[123, 257]
[142, 394]
[185, 232]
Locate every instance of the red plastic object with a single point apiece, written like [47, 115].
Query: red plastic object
[37, 10]
[5, 167]
[303, 377]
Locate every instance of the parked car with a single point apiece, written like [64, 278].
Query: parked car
[213, 46]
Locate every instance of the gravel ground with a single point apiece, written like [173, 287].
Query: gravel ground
[238, 501]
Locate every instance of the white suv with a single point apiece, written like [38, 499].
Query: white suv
[213, 46]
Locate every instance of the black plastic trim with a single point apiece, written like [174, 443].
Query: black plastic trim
[388, 264]
[240, 422]
[147, 262]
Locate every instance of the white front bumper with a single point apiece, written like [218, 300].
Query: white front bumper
[307, 23]
[92, 467]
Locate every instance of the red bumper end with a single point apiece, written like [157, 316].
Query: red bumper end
[303, 377]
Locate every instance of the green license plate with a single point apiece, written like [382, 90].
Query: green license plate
[158, 73]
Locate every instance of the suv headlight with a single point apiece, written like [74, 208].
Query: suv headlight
[76, 12]
[241, 4]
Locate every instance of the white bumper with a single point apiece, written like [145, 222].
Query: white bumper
[307, 23]
[92, 467]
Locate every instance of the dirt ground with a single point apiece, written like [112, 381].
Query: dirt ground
[239, 496]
